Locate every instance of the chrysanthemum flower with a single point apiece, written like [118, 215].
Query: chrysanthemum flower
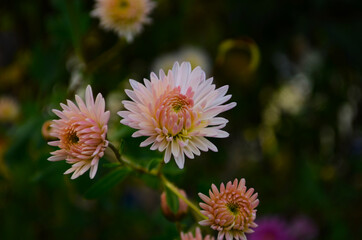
[177, 112]
[198, 236]
[126, 17]
[231, 211]
[81, 131]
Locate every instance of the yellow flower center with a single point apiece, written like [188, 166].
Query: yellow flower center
[70, 137]
[233, 208]
[179, 102]
[124, 4]
[124, 12]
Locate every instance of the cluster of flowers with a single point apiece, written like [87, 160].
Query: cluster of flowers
[177, 111]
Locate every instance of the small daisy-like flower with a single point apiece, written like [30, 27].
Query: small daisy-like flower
[126, 17]
[177, 112]
[81, 131]
[231, 211]
[198, 236]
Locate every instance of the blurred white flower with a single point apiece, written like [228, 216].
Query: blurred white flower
[289, 98]
[345, 117]
[126, 17]
[195, 56]
[292, 95]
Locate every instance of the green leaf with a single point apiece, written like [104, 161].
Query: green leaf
[172, 200]
[111, 165]
[153, 163]
[151, 181]
[107, 182]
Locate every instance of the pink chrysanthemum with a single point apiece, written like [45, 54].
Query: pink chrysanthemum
[231, 211]
[82, 134]
[198, 236]
[177, 111]
[126, 17]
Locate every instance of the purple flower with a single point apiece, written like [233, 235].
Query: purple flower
[271, 228]
[303, 228]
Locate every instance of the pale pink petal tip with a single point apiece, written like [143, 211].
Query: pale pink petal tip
[198, 236]
[177, 112]
[81, 132]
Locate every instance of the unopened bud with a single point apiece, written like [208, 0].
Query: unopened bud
[47, 130]
[167, 212]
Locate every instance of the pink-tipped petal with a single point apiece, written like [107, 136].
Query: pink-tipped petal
[198, 236]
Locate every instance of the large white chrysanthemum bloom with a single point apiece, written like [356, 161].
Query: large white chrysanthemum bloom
[126, 17]
[177, 112]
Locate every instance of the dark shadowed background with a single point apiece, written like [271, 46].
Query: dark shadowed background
[293, 67]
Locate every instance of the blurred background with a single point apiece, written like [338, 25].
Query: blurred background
[293, 67]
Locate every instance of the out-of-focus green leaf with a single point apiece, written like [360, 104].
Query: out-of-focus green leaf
[111, 165]
[172, 200]
[151, 181]
[155, 162]
[107, 182]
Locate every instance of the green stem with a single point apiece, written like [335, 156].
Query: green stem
[127, 162]
[115, 151]
[175, 190]
[159, 174]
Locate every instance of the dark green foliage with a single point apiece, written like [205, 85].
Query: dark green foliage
[103, 185]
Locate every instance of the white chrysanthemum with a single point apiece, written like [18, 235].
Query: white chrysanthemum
[126, 17]
[177, 112]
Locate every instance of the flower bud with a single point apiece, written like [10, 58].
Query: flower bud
[46, 131]
[167, 212]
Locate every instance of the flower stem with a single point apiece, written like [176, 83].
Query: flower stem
[115, 151]
[127, 162]
[159, 174]
[175, 190]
